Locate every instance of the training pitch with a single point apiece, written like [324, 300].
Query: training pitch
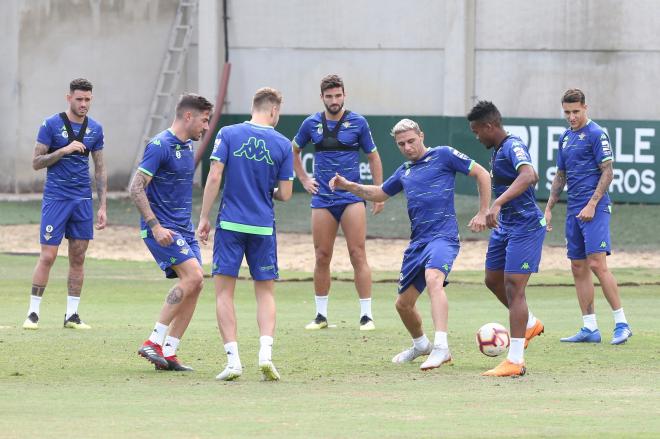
[337, 382]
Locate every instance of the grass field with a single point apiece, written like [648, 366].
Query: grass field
[337, 383]
[633, 225]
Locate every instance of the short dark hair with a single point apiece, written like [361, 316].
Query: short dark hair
[485, 112]
[266, 96]
[573, 95]
[331, 81]
[80, 84]
[192, 101]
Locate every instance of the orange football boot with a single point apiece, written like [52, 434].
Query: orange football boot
[532, 332]
[506, 369]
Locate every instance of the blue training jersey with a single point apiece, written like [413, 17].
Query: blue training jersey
[256, 157]
[521, 213]
[68, 178]
[354, 132]
[429, 187]
[580, 154]
[171, 164]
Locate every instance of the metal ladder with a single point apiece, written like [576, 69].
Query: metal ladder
[160, 111]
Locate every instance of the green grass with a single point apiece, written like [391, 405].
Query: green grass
[336, 383]
[633, 225]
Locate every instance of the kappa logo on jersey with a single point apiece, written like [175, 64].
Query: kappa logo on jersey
[459, 154]
[255, 149]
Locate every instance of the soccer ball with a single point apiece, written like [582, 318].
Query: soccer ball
[493, 339]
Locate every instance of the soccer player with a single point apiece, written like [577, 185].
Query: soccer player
[428, 180]
[257, 163]
[584, 160]
[64, 144]
[338, 136]
[162, 191]
[516, 242]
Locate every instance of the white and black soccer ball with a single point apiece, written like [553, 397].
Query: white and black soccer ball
[493, 339]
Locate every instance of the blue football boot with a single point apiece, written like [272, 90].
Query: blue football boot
[622, 333]
[584, 335]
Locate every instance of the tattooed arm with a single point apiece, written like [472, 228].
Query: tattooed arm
[606, 175]
[557, 188]
[139, 197]
[101, 180]
[42, 159]
[366, 191]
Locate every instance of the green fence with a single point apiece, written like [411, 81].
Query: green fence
[634, 144]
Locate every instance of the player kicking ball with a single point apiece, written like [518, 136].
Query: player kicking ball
[428, 181]
[516, 242]
[257, 163]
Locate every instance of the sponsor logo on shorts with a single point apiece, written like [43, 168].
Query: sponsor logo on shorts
[525, 266]
[172, 259]
[267, 267]
[603, 244]
[446, 267]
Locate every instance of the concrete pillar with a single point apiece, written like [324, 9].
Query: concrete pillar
[211, 47]
[9, 93]
[459, 57]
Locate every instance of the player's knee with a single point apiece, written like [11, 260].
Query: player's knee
[196, 281]
[491, 283]
[597, 266]
[358, 255]
[323, 257]
[402, 306]
[578, 267]
[47, 259]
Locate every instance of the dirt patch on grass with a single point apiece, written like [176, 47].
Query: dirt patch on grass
[296, 251]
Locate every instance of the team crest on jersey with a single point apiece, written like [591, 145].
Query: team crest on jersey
[64, 133]
[346, 124]
[581, 136]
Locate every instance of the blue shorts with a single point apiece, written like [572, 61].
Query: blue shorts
[260, 251]
[72, 219]
[515, 251]
[586, 237]
[181, 249]
[338, 210]
[438, 253]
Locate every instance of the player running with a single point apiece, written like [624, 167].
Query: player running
[257, 162]
[338, 136]
[162, 191]
[64, 144]
[584, 160]
[516, 242]
[428, 180]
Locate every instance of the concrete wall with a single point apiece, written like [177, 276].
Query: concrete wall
[118, 45]
[413, 57]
